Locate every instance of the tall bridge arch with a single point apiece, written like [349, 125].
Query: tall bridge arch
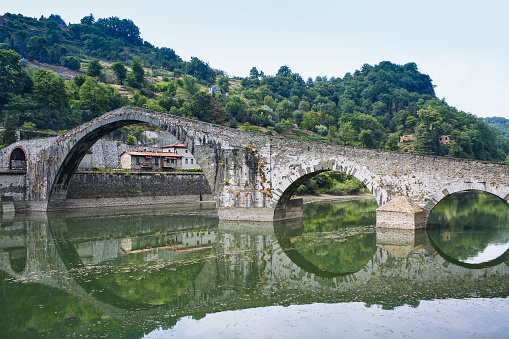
[250, 174]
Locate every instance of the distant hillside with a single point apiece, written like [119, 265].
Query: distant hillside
[500, 124]
[99, 65]
[51, 40]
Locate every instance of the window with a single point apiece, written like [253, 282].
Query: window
[186, 161]
[156, 161]
[186, 151]
[192, 161]
[137, 161]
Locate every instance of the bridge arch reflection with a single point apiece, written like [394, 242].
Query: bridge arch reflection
[471, 229]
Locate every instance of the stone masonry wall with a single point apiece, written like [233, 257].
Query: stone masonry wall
[92, 185]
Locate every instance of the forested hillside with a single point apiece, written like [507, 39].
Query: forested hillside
[385, 106]
[500, 124]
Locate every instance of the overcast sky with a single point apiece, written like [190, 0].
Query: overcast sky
[462, 44]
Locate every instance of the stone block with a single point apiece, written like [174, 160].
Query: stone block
[400, 213]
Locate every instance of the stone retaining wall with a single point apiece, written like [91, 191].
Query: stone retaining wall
[122, 185]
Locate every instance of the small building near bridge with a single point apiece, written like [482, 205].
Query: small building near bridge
[150, 161]
[188, 160]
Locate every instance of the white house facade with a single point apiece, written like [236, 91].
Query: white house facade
[188, 160]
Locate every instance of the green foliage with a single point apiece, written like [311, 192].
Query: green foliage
[363, 108]
[500, 124]
[138, 73]
[392, 143]
[200, 70]
[131, 139]
[190, 85]
[253, 129]
[94, 68]
[13, 78]
[224, 84]
[71, 63]
[120, 71]
[332, 183]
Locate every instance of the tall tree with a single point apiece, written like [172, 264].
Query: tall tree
[253, 73]
[120, 71]
[94, 69]
[138, 72]
[13, 78]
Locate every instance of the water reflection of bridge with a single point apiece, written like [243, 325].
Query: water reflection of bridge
[238, 268]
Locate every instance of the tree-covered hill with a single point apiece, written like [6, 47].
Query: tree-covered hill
[498, 123]
[386, 106]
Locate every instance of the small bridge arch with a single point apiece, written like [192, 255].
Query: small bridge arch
[18, 159]
[297, 178]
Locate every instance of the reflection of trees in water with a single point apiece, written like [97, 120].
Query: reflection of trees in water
[462, 225]
[338, 252]
[242, 270]
[153, 282]
[327, 216]
[335, 237]
[144, 259]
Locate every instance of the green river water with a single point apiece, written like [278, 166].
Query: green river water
[180, 272]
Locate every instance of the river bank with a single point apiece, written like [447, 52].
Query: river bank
[307, 199]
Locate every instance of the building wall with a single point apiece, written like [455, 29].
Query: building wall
[125, 161]
[188, 160]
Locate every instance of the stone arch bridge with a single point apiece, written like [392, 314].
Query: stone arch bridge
[251, 175]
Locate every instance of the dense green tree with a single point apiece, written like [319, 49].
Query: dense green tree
[120, 71]
[428, 133]
[200, 70]
[201, 106]
[347, 133]
[138, 72]
[253, 73]
[37, 45]
[88, 20]
[13, 77]
[10, 122]
[47, 105]
[224, 84]
[95, 99]
[190, 85]
[284, 71]
[94, 68]
[237, 107]
[124, 29]
[285, 109]
[269, 101]
[392, 143]
[72, 63]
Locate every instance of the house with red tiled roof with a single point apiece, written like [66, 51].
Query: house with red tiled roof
[150, 161]
[188, 160]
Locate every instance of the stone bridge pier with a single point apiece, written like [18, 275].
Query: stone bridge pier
[253, 176]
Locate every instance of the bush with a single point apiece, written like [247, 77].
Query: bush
[71, 63]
